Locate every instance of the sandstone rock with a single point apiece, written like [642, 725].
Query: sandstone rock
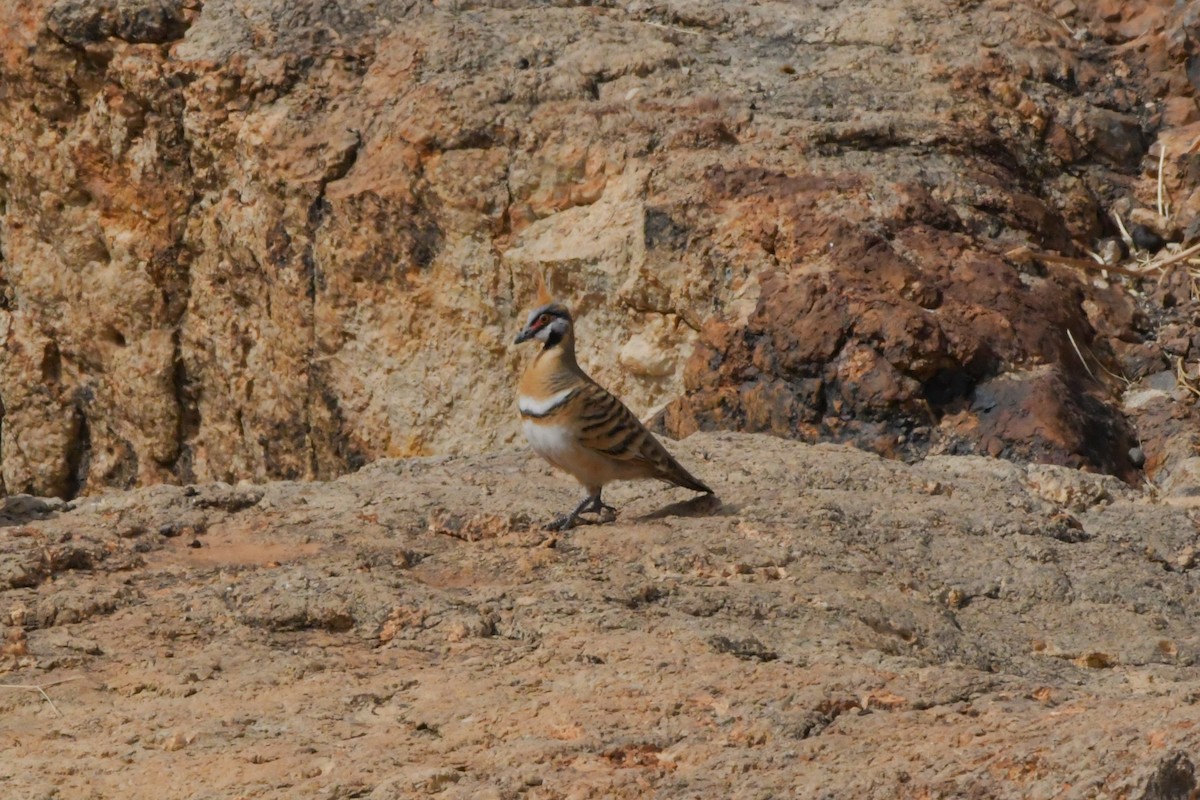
[277, 241]
[1071, 489]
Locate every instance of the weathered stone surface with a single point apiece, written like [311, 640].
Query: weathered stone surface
[852, 353]
[84, 22]
[841, 625]
[279, 239]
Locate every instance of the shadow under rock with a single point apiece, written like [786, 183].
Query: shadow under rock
[21, 509]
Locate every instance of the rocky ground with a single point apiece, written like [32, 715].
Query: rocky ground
[837, 625]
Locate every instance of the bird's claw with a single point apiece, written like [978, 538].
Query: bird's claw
[606, 513]
[603, 509]
[563, 523]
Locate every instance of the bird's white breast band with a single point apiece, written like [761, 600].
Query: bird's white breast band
[540, 408]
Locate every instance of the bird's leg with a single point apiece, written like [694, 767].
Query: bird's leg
[599, 507]
[567, 521]
[592, 504]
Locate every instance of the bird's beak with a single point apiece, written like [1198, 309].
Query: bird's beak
[524, 336]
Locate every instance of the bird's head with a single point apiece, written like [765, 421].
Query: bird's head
[549, 323]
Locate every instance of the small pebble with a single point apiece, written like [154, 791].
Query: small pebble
[176, 741]
[1146, 239]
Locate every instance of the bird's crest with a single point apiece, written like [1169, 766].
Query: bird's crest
[543, 293]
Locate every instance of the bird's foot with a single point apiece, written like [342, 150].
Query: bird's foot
[590, 505]
[566, 522]
[597, 506]
[562, 523]
[606, 512]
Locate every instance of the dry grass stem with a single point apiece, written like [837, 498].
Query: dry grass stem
[1082, 360]
[1184, 380]
[1025, 253]
[672, 28]
[1182, 255]
[1099, 363]
[40, 689]
[1162, 156]
[1125, 237]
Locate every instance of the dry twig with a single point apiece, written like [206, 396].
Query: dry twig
[1163, 211]
[1125, 237]
[1022, 253]
[1182, 255]
[672, 28]
[40, 689]
[1184, 380]
[1082, 360]
[1079, 352]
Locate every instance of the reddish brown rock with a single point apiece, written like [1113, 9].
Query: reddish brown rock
[841, 354]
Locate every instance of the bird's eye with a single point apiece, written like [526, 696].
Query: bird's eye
[543, 319]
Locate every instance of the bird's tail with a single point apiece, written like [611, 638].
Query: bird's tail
[674, 472]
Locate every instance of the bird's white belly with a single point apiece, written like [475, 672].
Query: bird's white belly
[558, 445]
[555, 443]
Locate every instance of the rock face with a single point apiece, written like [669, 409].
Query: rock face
[842, 626]
[281, 239]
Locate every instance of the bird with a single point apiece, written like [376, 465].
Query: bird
[579, 426]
